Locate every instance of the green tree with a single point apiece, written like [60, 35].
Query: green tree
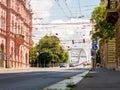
[98, 56]
[51, 52]
[33, 55]
[44, 58]
[103, 31]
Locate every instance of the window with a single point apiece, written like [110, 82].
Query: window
[12, 26]
[2, 47]
[4, 1]
[12, 4]
[2, 22]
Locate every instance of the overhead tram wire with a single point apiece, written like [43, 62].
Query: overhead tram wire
[80, 9]
[71, 23]
[68, 8]
[57, 1]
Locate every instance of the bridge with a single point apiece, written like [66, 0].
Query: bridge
[78, 56]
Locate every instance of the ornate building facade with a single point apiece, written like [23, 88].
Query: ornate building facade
[108, 50]
[113, 16]
[107, 54]
[15, 33]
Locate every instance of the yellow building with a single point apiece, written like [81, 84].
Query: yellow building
[112, 16]
[107, 53]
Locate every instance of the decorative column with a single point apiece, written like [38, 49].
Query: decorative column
[19, 40]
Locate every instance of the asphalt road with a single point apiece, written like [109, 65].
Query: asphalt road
[35, 80]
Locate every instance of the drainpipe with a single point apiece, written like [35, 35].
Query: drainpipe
[7, 32]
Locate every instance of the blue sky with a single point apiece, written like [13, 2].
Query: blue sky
[66, 9]
[60, 11]
[51, 10]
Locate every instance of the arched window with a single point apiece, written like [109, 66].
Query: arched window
[2, 47]
[12, 26]
[2, 22]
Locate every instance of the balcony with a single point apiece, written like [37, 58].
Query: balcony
[111, 14]
[112, 4]
[19, 39]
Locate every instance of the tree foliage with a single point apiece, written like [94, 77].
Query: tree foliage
[98, 56]
[33, 55]
[103, 30]
[50, 51]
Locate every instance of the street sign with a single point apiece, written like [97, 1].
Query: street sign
[94, 47]
[94, 44]
[10, 55]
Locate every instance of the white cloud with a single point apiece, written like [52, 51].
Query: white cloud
[65, 32]
[41, 8]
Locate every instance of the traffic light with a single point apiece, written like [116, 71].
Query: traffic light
[72, 41]
[56, 33]
[83, 40]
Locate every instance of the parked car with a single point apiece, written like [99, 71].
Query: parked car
[72, 65]
[63, 65]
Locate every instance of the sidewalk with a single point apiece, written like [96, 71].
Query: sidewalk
[28, 69]
[100, 79]
[62, 85]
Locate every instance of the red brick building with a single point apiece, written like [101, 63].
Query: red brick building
[15, 33]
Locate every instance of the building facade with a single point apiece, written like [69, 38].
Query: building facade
[113, 16]
[107, 54]
[15, 33]
[108, 50]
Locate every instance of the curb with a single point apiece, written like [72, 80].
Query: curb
[19, 70]
[62, 85]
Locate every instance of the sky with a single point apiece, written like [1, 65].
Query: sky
[47, 11]
[60, 11]
[64, 17]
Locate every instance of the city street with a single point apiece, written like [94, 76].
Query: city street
[38, 79]
[59, 44]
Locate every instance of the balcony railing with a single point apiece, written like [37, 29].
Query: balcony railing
[19, 36]
[112, 4]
